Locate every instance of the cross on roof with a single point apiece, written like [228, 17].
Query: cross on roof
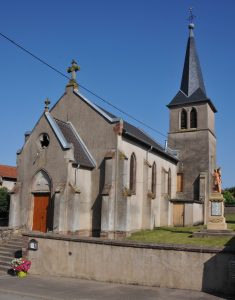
[47, 103]
[73, 69]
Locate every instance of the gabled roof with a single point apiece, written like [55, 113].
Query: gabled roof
[139, 134]
[68, 136]
[108, 116]
[8, 172]
[130, 131]
[81, 153]
[192, 88]
[64, 143]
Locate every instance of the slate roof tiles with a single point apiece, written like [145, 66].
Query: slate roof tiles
[81, 153]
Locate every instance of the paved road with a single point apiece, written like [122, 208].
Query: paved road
[35, 287]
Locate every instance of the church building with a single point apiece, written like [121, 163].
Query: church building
[84, 171]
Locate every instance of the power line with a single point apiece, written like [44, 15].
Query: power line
[83, 87]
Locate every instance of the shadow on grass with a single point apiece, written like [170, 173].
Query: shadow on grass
[230, 245]
[174, 230]
[230, 222]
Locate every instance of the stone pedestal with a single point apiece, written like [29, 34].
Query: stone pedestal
[216, 213]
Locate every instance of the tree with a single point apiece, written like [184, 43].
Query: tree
[228, 196]
[4, 201]
[231, 190]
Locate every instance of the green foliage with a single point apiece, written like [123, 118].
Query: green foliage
[229, 197]
[231, 190]
[4, 200]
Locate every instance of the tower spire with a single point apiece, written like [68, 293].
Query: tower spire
[192, 79]
[192, 88]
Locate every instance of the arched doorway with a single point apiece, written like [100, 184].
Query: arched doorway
[42, 206]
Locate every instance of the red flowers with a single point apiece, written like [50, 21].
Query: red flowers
[19, 264]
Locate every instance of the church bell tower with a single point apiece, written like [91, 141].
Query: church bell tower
[192, 133]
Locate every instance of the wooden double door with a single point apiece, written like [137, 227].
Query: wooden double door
[41, 213]
[178, 214]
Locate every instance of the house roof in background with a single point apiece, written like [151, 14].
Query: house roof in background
[8, 171]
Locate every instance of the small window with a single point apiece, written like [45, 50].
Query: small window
[193, 118]
[183, 119]
[44, 140]
[166, 183]
[133, 174]
[180, 182]
[154, 180]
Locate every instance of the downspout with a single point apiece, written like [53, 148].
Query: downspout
[119, 131]
[116, 188]
[166, 145]
[75, 177]
[150, 149]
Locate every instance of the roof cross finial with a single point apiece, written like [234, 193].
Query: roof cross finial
[73, 69]
[191, 18]
[47, 103]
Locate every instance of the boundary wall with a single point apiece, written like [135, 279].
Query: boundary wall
[168, 266]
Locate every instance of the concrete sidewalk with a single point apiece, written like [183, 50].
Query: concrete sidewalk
[41, 287]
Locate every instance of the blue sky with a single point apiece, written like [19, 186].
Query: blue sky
[131, 53]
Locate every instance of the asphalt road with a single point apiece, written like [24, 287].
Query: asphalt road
[41, 287]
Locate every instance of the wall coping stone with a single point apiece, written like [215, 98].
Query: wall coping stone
[131, 244]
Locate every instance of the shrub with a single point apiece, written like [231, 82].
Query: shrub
[4, 201]
[228, 197]
[231, 190]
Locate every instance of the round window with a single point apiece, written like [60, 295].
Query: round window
[44, 140]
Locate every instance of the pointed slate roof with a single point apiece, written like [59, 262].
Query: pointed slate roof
[81, 153]
[192, 75]
[192, 88]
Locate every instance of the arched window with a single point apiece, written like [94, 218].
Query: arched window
[169, 183]
[133, 173]
[193, 118]
[183, 119]
[180, 183]
[154, 180]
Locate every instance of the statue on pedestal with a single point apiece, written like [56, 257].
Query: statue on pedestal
[217, 180]
[216, 219]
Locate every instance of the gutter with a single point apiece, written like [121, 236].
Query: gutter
[162, 152]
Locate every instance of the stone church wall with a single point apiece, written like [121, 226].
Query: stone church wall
[98, 136]
[30, 161]
[154, 212]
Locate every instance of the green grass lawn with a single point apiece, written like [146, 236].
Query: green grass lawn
[230, 219]
[183, 235]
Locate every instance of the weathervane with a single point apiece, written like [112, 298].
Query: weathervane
[191, 16]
